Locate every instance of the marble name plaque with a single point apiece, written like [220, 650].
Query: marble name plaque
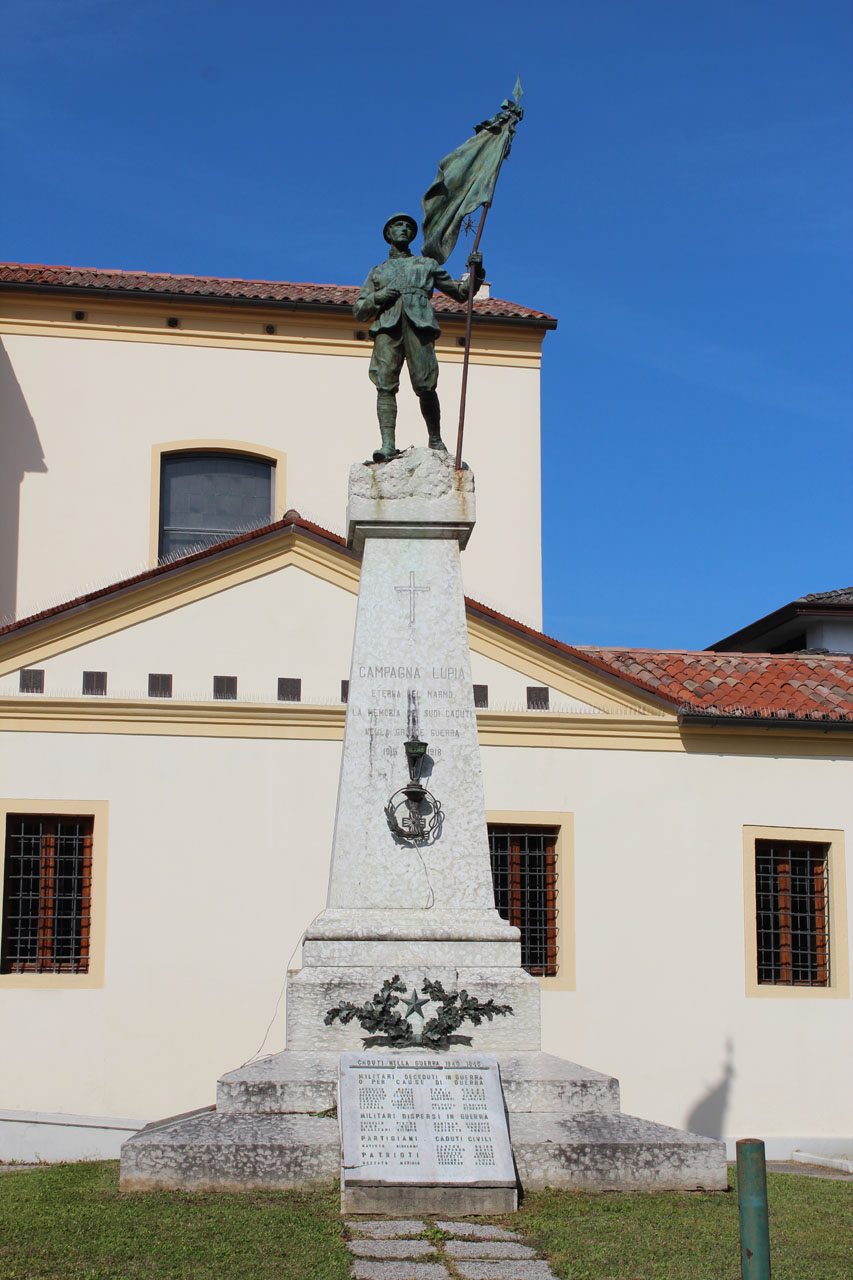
[422, 1118]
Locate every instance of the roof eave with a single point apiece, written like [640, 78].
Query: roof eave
[713, 720]
[773, 621]
[266, 304]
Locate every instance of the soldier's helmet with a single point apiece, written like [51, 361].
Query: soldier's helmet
[400, 217]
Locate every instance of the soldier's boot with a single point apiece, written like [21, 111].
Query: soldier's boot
[386, 409]
[431, 411]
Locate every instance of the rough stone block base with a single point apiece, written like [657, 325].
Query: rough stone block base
[208, 1151]
[400, 1201]
[613, 1152]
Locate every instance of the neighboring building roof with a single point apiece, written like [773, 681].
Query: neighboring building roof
[741, 687]
[784, 625]
[841, 595]
[324, 297]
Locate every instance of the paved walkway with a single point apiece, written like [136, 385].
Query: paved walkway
[410, 1249]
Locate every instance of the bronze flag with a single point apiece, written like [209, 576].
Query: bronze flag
[466, 178]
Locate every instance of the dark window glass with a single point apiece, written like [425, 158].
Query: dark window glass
[47, 894]
[481, 695]
[159, 685]
[289, 690]
[537, 698]
[225, 686]
[31, 681]
[524, 877]
[791, 913]
[95, 682]
[210, 497]
[344, 690]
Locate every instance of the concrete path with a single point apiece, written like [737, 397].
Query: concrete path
[412, 1249]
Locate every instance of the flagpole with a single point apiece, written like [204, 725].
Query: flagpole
[468, 320]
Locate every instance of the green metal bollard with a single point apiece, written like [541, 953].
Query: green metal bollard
[752, 1206]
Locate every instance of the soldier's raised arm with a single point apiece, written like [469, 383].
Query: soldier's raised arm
[458, 289]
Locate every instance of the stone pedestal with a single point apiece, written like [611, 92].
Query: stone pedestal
[397, 906]
[412, 908]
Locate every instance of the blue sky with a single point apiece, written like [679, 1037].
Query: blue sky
[679, 195]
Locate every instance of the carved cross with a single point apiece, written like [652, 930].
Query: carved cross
[413, 591]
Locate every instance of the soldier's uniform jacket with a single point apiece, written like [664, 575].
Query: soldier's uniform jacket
[416, 278]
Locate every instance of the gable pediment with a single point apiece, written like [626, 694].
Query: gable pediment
[281, 604]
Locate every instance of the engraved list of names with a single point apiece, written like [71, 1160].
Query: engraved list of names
[424, 1118]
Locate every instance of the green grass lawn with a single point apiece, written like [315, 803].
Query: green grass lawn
[68, 1222]
[678, 1236]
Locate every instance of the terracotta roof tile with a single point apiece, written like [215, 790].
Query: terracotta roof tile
[213, 287]
[765, 685]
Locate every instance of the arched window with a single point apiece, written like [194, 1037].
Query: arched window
[208, 496]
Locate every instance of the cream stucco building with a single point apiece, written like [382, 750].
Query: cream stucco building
[668, 828]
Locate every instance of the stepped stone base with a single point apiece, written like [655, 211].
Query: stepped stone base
[613, 1152]
[565, 1125]
[212, 1151]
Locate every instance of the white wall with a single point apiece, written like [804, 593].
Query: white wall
[660, 999]
[96, 407]
[218, 858]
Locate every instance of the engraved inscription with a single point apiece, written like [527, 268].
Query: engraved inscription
[423, 1119]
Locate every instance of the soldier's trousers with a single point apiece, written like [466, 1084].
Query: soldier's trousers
[391, 347]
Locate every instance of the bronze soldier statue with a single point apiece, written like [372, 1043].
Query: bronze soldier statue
[396, 296]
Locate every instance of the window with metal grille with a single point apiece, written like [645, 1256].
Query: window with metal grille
[209, 496]
[289, 689]
[159, 684]
[481, 695]
[524, 876]
[344, 690]
[47, 894]
[791, 912]
[95, 683]
[537, 697]
[225, 687]
[31, 680]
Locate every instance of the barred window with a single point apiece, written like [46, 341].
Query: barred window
[524, 876]
[791, 909]
[47, 894]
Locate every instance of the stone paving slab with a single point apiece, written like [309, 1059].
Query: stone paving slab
[386, 1228]
[487, 1249]
[478, 1231]
[505, 1270]
[363, 1270]
[389, 1248]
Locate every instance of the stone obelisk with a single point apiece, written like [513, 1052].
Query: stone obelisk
[399, 905]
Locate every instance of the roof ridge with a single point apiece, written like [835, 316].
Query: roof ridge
[171, 275]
